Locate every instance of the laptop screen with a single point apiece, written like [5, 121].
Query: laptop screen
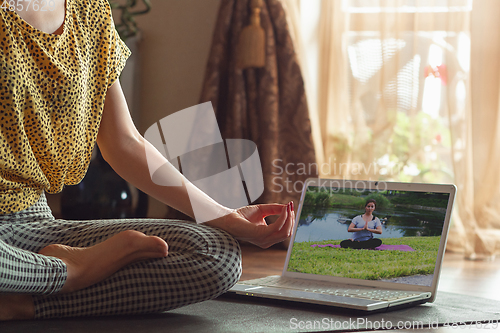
[389, 235]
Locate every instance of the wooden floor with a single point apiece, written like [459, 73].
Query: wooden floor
[458, 275]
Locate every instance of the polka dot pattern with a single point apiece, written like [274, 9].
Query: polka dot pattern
[52, 91]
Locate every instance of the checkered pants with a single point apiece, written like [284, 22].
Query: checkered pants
[202, 263]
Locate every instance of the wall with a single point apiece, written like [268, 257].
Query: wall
[176, 39]
[176, 42]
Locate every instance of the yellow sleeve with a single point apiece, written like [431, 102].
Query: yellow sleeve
[119, 54]
[116, 50]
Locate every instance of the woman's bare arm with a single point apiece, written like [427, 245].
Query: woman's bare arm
[124, 148]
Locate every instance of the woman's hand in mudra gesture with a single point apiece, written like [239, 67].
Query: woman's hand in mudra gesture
[248, 224]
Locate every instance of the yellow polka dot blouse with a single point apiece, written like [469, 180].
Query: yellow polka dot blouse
[52, 90]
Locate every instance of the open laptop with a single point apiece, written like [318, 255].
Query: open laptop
[413, 221]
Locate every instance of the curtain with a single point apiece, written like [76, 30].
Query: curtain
[393, 100]
[484, 239]
[267, 105]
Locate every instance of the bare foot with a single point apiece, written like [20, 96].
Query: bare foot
[87, 266]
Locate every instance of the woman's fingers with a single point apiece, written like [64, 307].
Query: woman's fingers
[271, 209]
[289, 223]
[265, 235]
[281, 229]
[280, 221]
[293, 221]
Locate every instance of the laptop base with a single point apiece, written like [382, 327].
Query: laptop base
[260, 300]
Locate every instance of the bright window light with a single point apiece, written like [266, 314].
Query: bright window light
[406, 6]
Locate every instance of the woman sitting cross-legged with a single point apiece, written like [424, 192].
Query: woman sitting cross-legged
[59, 96]
[363, 227]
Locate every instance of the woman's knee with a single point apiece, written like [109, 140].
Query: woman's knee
[213, 255]
[345, 244]
[225, 256]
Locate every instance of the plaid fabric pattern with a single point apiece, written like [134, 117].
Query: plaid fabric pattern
[22, 270]
[202, 263]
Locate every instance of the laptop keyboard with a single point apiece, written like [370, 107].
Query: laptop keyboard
[325, 288]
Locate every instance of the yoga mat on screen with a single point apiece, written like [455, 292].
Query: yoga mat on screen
[382, 247]
[259, 315]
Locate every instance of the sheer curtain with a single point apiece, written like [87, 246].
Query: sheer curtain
[390, 83]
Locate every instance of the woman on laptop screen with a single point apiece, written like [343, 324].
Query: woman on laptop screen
[363, 227]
